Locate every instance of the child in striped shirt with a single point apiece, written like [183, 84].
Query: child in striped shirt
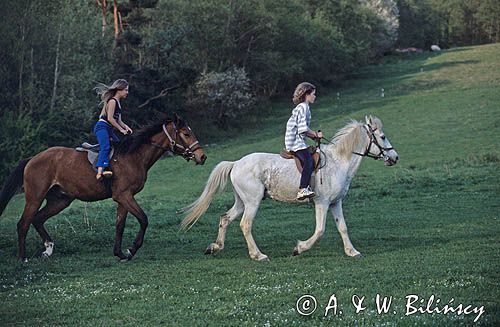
[297, 128]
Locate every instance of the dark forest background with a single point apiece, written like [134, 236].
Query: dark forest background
[215, 62]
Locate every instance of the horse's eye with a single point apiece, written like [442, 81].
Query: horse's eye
[185, 134]
[382, 137]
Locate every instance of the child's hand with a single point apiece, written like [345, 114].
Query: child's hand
[129, 130]
[319, 135]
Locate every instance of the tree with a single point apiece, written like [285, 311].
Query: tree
[51, 60]
[387, 11]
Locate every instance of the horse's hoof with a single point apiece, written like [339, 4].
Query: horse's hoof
[125, 257]
[259, 257]
[45, 256]
[212, 248]
[295, 251]
[359, 256]
[209, 250]
[129, 254]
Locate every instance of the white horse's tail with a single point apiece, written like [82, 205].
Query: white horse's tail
[216, 183]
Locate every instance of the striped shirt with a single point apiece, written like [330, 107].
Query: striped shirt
[296, 128]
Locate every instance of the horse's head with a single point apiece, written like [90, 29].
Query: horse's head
[379, 146]
[186, 143]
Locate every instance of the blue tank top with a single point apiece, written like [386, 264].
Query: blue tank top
[116, 115]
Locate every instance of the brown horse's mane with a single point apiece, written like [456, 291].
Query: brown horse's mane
[130, 144]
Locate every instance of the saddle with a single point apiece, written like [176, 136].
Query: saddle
[285, 154]
[93, 152]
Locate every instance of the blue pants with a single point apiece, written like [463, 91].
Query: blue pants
[104, 133]
[307, 166]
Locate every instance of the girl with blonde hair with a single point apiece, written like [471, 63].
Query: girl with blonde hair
[297, 129]
[110, 118]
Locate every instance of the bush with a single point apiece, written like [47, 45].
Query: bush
[221, 97]
[18, 139]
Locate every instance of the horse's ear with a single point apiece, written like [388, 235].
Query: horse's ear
[176, 118]
[368, 119]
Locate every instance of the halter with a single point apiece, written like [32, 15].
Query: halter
[373, 140]
[186, 152]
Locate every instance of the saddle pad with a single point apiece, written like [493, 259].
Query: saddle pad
[92, 147]
[93, 153]
[285, 154]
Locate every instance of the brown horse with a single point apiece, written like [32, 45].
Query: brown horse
[60, 175]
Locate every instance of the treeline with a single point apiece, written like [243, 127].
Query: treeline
[448, 23]
[210, 60]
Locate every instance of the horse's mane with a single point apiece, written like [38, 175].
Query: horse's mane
[347, 139]
[131, 143]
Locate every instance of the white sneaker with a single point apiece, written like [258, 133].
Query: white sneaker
[305, 193]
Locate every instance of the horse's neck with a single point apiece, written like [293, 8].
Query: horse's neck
[354, 164]
[348, 166]
[154, 155]
[147, 155]
[344, 167]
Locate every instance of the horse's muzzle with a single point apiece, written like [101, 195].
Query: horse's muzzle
[391, 160]
[200, 160]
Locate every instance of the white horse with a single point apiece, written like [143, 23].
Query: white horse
[260, 174]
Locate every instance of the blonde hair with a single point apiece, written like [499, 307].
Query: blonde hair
[303, 89]
[107, 92]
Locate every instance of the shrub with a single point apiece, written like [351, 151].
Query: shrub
[221, 97]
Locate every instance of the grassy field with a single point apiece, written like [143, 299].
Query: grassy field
[428, 226]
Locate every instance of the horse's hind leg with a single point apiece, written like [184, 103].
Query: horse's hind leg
[36, 185]
[55, 204]
[224, 222]
[24, 223]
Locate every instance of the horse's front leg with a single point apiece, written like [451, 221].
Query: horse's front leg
[338, 215]
[121, 218]
[321, 211]
[130, 204]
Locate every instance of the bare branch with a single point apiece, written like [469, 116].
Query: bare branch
[57, 70]
[163, 93]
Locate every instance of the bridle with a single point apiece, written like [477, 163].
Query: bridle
[176, 148]
[373, 141]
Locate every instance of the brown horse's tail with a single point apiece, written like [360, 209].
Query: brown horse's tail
[13, 184]
[216, 183]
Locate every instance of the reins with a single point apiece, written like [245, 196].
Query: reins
[366, 153]
[319, 164]
[186, 152]
[373, 140]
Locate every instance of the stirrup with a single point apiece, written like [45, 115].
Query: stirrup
[107, 174]
[305, 193]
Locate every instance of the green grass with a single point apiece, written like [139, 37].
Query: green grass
[427, 226]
